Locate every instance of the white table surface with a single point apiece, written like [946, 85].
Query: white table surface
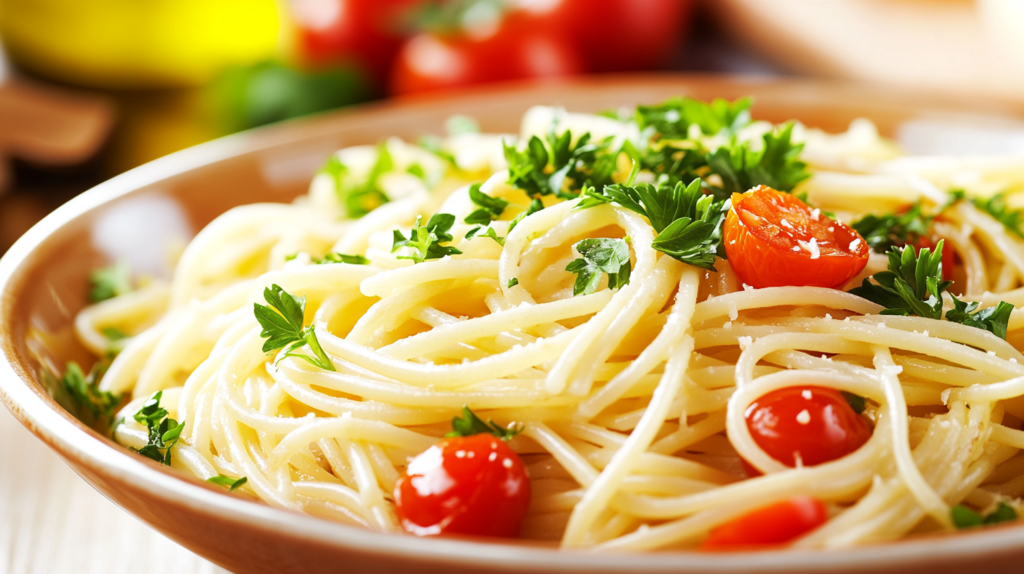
[53, 522]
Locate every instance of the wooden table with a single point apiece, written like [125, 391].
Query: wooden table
[52, 522]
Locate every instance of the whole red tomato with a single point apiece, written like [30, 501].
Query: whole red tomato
[429, 62]
[361, 32]
[615, 35]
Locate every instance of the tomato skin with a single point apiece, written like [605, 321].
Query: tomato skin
[473, 485]
[830, 429]
[774, 524]
[349, 31]
[764, 226]
[616, 35]
[429, 62]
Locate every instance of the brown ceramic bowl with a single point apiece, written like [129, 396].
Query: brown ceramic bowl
[143, 212]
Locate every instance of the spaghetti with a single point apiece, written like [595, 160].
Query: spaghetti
[632, 392]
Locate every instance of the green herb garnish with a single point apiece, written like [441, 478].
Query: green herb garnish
[556, 165]
[426, 240]
[490, 209]
[535, 206]
[964, 517]
[687, 221]
[90, 405]
[883, 232]
[110, 282]
[282, 324]
[993, 319]
[227, 481]
[1012, 219]
[164, 431]
[673, 118]
[469, 424]
[777, 164]
[342, 258]
[490, 232]
[360, 198]
[603, 255]
[912, 285]
[513, 282]
[856, 402]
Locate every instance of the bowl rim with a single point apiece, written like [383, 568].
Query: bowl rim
[73, 440]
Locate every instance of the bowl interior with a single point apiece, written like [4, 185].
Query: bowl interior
[149, 213]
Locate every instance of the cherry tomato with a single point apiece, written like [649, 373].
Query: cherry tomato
[473, 485]
[814, 424]
[775, 524]
[429, 62]
[349, 31]
[774, 239]
[616, 35]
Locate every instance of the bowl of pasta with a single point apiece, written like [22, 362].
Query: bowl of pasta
[631, 324]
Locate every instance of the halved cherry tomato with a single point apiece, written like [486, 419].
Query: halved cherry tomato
[773, 239]
[474, 485]
[813, 424]
[775, 524]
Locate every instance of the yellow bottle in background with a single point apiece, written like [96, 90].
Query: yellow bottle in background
[137, 43]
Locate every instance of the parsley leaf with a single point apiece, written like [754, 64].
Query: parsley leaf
[282, 327]
[489, 233]
[513, 282]
[426, 240]
[534, 207]
[856, 402]
[777, 164]
[911, 286]
[110, 282]
[964, 517]
[469, 424]
[491, 208]
[90, 405]
[603, 255]
[164, 431]
[687, 221]
[1012, 219]
[556, 165]
[673, 118]
[992, 319]
[884, 232]
[342, 258]
[360, 198]
[227, 481]
[436, 146]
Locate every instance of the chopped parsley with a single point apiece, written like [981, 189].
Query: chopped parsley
[490, 208]
[602, 255]
[469, 424]
[535, 206]
[490, 232]
[342, 258]
[231, 483]
[777, 164]
[282, 324]
[884, 232]
[913, 286]
[687, 221]
[513, 282]
[672, 119]
[964, 517]
[110, 282]
[1012, 219]
[856, 402]
[426, 240]
[557, 166]
[360, 198]
[164, 431]
[90, 405]
[993, 319]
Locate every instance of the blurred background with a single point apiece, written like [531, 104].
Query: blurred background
[89, 89]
